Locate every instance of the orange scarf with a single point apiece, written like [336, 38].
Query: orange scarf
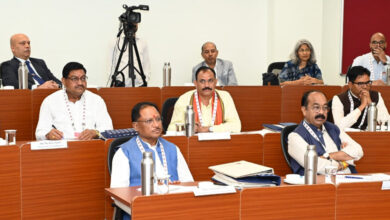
[219, 118]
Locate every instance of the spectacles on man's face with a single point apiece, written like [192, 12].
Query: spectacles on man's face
[317, 108]
[150, 121]
[75, 79]
[378, 42]
[361, 84]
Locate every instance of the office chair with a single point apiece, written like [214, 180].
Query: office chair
[275, 67]
[114, 146]
[283, 140]
[167, 111]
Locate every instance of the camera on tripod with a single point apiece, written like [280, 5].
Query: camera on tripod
[130, 17]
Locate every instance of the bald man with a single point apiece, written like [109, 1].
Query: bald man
[375, 61]
[223, 68]
[39, 75]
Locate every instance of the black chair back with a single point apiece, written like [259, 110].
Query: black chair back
[275, 66]
[284, 141]
[167, 111]
[114, 146]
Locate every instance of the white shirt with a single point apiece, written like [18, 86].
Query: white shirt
[347, 121]
[120, 174]
[377, 69]
[54, 112]
[297, 147]
[144, 57]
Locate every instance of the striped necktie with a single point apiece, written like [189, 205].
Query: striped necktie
[33, 74]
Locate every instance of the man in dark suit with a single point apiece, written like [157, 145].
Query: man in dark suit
[39, 75]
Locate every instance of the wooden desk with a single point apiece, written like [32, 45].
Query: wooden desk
[15, 113]
[273, 154]
[291, 100]
[362, 201]
[120, 101]
[289, 202]
[376, 151]
[10, 202]
[256, 105]
[66, 183]
[203, 154]
[178, 206]
[182, 143]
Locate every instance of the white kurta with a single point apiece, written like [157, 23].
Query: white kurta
[54, 113]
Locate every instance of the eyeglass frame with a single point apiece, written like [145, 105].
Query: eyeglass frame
[361, 84]
[75, 79]
[317, 108]
[149, 122]
[382, 42]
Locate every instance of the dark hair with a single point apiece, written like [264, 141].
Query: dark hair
[356, 71]
[304, 100]
[135, 112]
[72, 66]
[203, 69]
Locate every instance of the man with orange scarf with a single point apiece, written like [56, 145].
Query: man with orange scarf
[214, 109]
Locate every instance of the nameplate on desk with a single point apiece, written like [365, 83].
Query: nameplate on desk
[386, 185]
[46, 145]
[214, 136]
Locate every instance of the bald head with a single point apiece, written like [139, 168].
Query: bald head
[209, 53]
[378, 35]
[208, 44]
[20, 46]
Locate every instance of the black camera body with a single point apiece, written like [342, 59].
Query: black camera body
[130, 17]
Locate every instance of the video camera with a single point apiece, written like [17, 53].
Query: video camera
[130, 17]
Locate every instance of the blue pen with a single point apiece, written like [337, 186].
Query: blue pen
[354, 177]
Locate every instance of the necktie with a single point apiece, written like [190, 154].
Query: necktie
[33, 74]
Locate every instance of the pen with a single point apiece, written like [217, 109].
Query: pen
[353, 177]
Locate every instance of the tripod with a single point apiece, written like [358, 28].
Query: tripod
[129, 40]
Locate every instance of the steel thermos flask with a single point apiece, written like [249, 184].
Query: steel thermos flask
[311, 158]
[371, 118]
[23, 76]
[147, 173]
[190, 121]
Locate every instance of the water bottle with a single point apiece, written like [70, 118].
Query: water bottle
[167, 74]
[388, 74]
[311, 158]
[371, 117]
[147, 173]
[23, 76]
[190, 121]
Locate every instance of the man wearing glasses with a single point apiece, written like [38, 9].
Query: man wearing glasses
[334, 147]
[349, 109]
[375, 61]
[73, 112]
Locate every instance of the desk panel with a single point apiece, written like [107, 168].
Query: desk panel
[15, 113]
[203, 154]
[376, 151]
[63, 182]
[120, 101]
[291, 100]
[10, 202]
[289, 202]
[273, 154]
[186, 206]
[181, 142]
[256, 105]
[362, 201]
[385, 93]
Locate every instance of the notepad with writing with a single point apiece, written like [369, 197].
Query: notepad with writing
[241, 169]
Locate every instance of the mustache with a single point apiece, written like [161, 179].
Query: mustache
[206, 88]
[320, 116]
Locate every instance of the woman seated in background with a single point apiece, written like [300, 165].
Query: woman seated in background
[302, 68]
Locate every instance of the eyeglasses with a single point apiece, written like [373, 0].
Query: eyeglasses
[76, 79]
[317, 108]
[150, 121]
[378, 42]
[361, 84]
[304, 50]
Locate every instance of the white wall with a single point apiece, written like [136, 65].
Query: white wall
[251, 33]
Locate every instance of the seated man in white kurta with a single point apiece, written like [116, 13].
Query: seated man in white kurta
[73, 112]
[168, 160]
[214, 109]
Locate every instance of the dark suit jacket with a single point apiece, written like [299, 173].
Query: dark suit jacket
[9, 72]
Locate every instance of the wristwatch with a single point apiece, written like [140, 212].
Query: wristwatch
[211, 129]
[326, 155]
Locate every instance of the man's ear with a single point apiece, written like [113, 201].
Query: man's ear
[135, 126]
[303, 109]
